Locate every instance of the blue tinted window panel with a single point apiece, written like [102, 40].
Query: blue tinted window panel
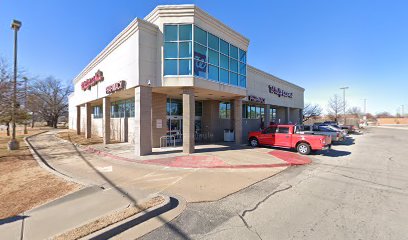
[224, 61]
[233, 78]
[185, 67]
[242, 68]
[170, 33]
[213, 57]
[200, 69]
[170, 50]
[242, 81]
[185, 50]
[233, 65]
[224, 47]
[185, 32]
[233, 51]
[200, 52]
[213, 41]
[224, 76]
[242, 56]
[213, 73]
[200, 36]
[170, 67]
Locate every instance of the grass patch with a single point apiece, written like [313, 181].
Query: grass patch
[23, 183]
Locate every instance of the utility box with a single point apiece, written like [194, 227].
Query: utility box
[229, 135]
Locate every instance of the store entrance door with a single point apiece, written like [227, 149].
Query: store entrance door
[175, 129]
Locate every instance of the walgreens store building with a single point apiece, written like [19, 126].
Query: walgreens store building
[178, 76]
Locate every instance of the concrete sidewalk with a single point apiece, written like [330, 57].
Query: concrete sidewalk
[99, 197]
[66, 213]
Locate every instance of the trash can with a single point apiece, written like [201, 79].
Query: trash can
[229, 135]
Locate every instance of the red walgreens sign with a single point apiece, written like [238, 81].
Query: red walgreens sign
[88, 83]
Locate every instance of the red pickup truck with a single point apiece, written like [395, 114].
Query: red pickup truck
[286, 136]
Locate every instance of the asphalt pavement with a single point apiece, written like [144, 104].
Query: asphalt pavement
[358, 190]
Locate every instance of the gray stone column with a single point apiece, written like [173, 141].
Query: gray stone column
[88, 121]
[106, 120]
[267, 115]
[143, 121]
[287, 114]
[238, 120]
[78, 120]
[188, 120]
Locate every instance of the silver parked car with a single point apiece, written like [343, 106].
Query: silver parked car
[335, 135]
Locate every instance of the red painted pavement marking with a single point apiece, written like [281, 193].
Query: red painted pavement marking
[211, 161]
[290, 157]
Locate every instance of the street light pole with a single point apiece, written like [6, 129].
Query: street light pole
[25, 103]
[344, 103]
[13, 144]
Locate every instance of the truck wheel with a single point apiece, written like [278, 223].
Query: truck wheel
[303, 148]
[253, 142]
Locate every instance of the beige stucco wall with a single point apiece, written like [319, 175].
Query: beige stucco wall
[257, 85]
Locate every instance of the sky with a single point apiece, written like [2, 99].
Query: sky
[319, 45]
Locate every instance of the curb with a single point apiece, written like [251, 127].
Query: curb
[139, 218]
[44, 164]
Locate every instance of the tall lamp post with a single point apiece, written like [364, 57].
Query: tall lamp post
[25, 103]
[344, 103]
[13, 144]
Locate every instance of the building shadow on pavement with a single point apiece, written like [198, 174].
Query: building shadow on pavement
[127, 225]
[347, 142]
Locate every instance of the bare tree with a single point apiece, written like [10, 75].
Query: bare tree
[335, 106]
[311, 111]
[50, 98]
[384, 115]
[356, 111]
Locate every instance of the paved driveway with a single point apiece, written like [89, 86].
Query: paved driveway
[357, 191]
[192, 184]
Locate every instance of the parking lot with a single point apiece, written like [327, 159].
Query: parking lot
[358, 190]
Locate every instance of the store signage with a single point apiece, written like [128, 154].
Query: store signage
[256, 99]
[279, 92]
[199, 62]
[116, 87]
[88, 83]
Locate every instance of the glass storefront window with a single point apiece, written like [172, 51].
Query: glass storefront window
[97, 112]
[250, 111]
[213, 73]
[200, 36]
[224, 47]
[233, 52]
[225, 110]
[170, 33]
[177, 49]
[213, 57]
[185, 67]
[185, 32]
[224, 59]
[233, 79]
[185, 50]
[213, 42]
[122, 108]
[224, 76]
[242, 56]
[170, 67]
[233, 65]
